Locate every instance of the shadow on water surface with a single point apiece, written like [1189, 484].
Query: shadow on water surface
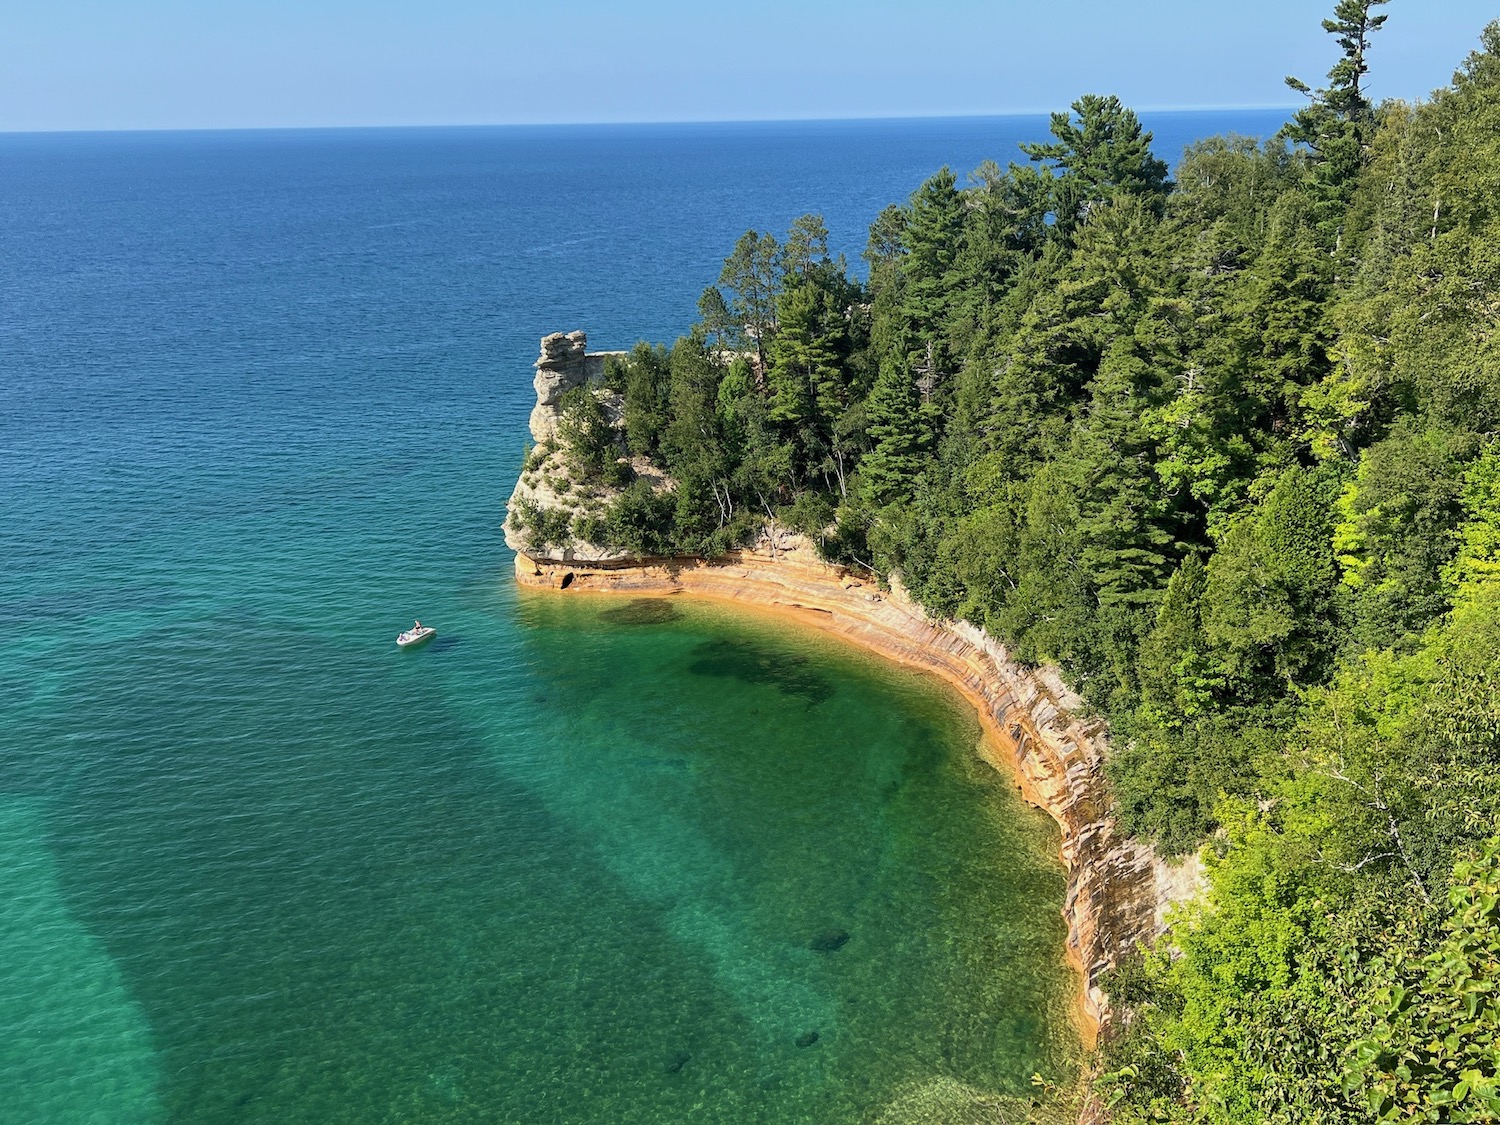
[788, 673]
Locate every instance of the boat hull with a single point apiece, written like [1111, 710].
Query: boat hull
[414, 637]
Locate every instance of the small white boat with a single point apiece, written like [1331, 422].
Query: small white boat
[415, 635]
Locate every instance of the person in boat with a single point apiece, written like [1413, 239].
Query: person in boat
[417, 626]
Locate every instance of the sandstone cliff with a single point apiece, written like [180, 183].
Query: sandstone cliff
[546, 483]
[565, 363]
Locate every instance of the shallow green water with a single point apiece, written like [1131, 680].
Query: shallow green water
[677, 864]
[757, 787]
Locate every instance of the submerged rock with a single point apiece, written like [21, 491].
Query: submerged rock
[642, 611]
[788, 673]
[807, 1038]
[829, 941]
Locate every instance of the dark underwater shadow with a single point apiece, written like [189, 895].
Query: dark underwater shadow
[642, 611]
[738, 660]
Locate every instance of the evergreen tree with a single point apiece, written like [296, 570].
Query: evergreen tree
[1128, 549]
[1339, 122]
[898, 433]
[1271, 584]
[805, 379]
[646, 384]
[1174, 675]
[1398, 535]
[806, 248]
[1421, 338]
[886, 246]
[1278, 319]
[932, 237]
[1103, 155]
[717, 319]
[752, 277]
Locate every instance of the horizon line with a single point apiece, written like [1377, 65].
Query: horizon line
[618, 123]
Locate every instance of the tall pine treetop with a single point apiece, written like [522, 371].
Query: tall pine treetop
[1353, 23]
[1338, 122]
[1106, 153]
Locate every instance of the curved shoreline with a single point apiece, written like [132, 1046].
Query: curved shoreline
[1118, 889]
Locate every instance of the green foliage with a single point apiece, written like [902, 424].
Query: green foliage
[899, 432]
[741, 310]
[1190, 740]
[542, 527]
[933, 239]
[1103, 155]
[1434, 1052]
[1222, 450]
[1269, 599]
[644, 379]
[1125, 519]
[1323, 979]
[807, 382]
[591, 446]
[639, 521]
[1338, 123]
[811, 514]
[1397, 536]
[1478, 557]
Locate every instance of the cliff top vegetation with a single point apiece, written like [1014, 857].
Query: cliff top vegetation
[1223, 445]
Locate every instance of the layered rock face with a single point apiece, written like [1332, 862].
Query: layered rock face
[545, 482]
[565, 363]
[1118, 889]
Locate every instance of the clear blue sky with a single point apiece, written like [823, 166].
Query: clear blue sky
[129, 64]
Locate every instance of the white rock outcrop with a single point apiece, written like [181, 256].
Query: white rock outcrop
[565, 363]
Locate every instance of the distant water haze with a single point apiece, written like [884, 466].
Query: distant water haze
[264, 396]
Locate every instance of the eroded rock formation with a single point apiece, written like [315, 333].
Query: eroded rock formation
[546, 483]
[565, 363]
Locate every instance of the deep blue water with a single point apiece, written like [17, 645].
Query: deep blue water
[262, 396]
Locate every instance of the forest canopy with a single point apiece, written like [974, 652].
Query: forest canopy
[1224, 446]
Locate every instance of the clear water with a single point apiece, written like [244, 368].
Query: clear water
[262, 396]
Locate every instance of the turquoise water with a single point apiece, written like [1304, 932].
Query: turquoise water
[261, 399]
[565, 867]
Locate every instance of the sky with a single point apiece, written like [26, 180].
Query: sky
[173, 64]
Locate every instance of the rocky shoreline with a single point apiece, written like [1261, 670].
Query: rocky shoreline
[1118, 890]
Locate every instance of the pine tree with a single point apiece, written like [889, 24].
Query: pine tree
[1123, 522]
[752, 275]
[1173, 675]
[933, 237]
[1279, 316]
[1104, 155]
[900, 435]
[806, 248]
[1339, 122]
[804, 379]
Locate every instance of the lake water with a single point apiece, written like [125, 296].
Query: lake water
[262, 397]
